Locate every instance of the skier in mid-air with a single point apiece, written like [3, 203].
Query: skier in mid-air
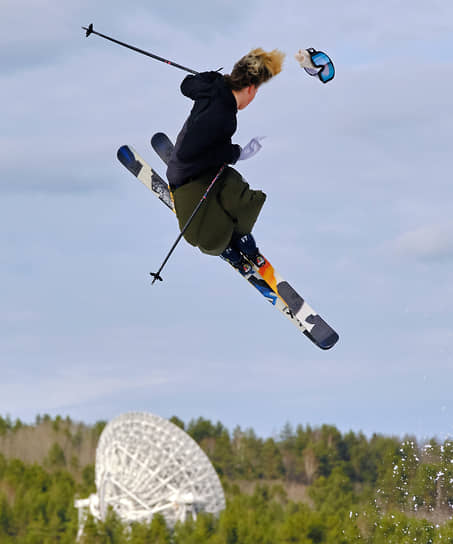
[224, 223]
[216, 208]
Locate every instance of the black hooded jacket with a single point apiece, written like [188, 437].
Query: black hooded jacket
[204, 142]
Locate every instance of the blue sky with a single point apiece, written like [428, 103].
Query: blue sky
[358, 218]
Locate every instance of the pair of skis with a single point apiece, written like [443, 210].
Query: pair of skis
[265, 278]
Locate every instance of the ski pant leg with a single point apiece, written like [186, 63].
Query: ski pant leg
[212, 228]
[240, 202]
[230, 208]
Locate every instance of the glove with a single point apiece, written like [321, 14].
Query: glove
[251, 148]
[304, 59]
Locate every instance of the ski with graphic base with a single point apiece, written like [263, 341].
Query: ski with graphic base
[141, 170]
[315, 327]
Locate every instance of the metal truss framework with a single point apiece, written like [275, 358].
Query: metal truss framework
[147, 465]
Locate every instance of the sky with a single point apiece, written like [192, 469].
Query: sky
[358, 218]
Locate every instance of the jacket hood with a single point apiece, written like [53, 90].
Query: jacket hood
[204, 85]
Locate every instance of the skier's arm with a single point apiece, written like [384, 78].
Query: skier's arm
[206, 137]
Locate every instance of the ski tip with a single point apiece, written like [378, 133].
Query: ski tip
[127, 158]
[321, 333]
[88, 29]
[329, 341]
[125, 155]
[157, 137]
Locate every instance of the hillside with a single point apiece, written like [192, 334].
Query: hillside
[306, 485]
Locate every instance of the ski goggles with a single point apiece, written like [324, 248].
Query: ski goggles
[324, 66]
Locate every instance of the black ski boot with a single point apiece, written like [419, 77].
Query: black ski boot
[246, 244]
[232, 256]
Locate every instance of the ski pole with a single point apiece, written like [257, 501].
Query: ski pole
[156, 275]
[89, 30]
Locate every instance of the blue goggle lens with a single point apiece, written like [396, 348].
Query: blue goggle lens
[320, 59]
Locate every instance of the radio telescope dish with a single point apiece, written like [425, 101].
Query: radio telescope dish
[146, 465]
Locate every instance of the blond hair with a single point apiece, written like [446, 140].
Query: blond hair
[255, 68]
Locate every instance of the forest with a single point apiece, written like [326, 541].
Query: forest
[306, 485]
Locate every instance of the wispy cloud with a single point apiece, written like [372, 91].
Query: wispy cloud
[429, 242]
[66, 388]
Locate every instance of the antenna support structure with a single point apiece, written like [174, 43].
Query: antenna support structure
[146, 465]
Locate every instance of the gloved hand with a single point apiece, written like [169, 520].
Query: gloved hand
[304, 59]
[251, 148]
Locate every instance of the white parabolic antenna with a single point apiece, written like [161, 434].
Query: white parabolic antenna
[145, 465]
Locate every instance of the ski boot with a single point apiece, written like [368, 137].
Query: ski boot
[232, 256]
[246, 244]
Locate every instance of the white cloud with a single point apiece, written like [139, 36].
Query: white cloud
[430, 242]
[75, 386]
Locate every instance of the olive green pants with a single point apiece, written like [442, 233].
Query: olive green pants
[231, 207]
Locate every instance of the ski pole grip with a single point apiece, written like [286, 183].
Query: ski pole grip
[89, 29]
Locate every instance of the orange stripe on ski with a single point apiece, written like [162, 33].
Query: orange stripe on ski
[267, 273]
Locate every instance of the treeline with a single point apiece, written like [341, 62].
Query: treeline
[351, 488]
[301, 455]
[32, 442]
